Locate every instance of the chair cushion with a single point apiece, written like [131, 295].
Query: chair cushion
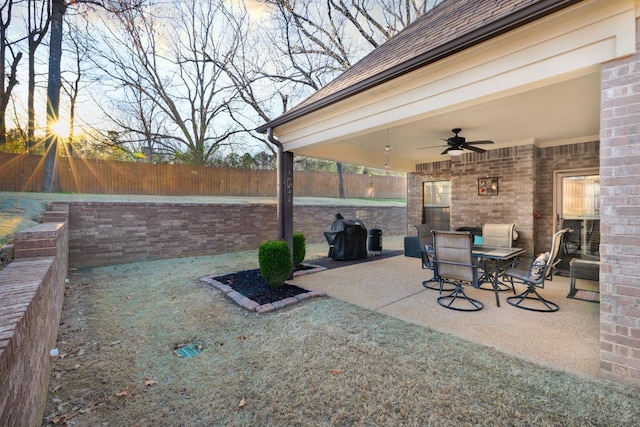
[537, 268]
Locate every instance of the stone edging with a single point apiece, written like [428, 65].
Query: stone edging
[251, 305]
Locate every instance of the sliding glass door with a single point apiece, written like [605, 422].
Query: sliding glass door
[578, 208]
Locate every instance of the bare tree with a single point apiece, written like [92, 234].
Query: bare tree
[51, 179]
[38, 14]
[312, 43]
[71, 83]
[8, 75]
[58, 10]
[169, 65]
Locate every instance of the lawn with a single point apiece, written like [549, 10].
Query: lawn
[323, 362]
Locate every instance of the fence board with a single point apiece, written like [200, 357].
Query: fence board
[25, 173]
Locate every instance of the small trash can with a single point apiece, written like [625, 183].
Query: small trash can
[374, 240]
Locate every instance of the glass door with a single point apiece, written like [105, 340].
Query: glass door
[578, 208]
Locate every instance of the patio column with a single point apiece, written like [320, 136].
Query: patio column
[620, 209]
[285, 198]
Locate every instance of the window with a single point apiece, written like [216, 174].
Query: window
[436, 204]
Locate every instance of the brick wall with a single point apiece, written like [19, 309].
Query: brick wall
[514, 168]
[32, 288]
[620, 223]
[116, 233]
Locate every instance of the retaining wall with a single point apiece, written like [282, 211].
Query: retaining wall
[32, 289]
[116, 233]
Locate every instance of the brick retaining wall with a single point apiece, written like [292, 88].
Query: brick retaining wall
[116, 233]
[32, 288]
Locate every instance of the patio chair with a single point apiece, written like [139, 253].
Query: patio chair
[425, 238]
[499, 235]
[533, 278]
[495, 235]
[454, 265]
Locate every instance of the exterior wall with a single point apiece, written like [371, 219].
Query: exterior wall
[32, 288]
[117, 233]
[516, 173]
[550, 160]
[620, 220]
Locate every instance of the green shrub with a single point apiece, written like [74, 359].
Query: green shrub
[274, 257]
[299, 248]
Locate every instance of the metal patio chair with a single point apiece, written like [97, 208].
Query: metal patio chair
[533, 278]
[454, 265]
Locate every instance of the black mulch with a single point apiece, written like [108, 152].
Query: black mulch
[252, 285]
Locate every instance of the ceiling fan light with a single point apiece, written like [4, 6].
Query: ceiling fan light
[455, 152]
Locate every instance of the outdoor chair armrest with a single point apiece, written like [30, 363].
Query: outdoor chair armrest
[523, 275]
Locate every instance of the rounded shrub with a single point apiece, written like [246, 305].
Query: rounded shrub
[274, 257]
[299, 248]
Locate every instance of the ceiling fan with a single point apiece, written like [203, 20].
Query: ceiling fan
[457, 143]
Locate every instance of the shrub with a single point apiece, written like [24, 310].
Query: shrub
[299, 248]
[274, 257]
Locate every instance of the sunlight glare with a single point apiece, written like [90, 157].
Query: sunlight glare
[61, 128]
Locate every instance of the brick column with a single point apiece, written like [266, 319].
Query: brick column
[620, 220]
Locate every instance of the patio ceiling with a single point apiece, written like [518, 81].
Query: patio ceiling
[556, 114]
[537, 84]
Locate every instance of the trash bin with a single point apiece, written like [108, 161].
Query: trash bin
[374, 240]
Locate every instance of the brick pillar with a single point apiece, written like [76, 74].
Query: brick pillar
[620, 227]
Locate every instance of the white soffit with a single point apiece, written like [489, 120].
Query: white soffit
[526, 71]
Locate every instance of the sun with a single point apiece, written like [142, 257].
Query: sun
[61, 128]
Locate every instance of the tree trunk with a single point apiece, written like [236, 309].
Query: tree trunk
[31, 111]
[51, 178]
[340, 180]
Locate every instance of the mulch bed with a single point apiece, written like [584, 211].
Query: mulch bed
[252, 285]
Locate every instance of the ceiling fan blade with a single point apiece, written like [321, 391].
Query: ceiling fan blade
[472, 148]
[431, 146]
[480, 142]
[445, 151]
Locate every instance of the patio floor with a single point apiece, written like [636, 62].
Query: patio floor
[567, 340]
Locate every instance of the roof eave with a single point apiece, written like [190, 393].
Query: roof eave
[494, 29]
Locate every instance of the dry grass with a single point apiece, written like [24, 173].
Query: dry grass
[320, 363]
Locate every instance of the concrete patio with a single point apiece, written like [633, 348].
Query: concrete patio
[567, 340]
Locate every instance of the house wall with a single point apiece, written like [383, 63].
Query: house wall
[525, 188]
[514, 168]
[32, 289]
[620, 220]
[117, 233]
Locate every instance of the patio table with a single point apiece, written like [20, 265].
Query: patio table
[500, 255]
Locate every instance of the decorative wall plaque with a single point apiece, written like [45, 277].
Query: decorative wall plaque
[488, 186]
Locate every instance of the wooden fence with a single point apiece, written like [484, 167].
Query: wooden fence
[25, 173]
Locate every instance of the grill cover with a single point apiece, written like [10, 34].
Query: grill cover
[347, 239]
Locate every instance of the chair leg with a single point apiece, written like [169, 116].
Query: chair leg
[447, 301]
[532, 294]
[435, 285]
